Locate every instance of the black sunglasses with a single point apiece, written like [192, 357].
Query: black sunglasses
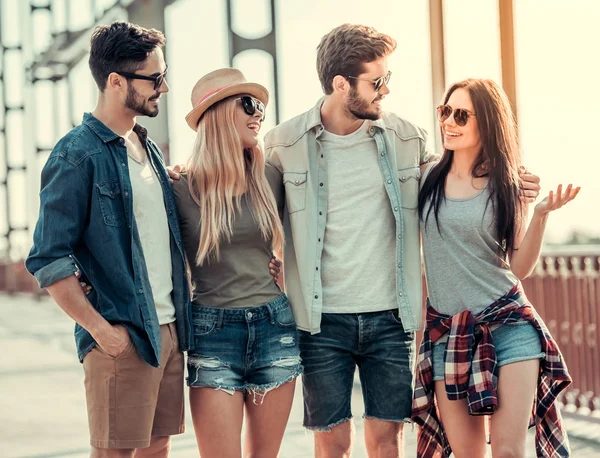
[378, 83]
[250, 105]
[158, 79]
[461, 115]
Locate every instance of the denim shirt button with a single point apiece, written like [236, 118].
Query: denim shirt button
[395, 209]
[126, 194]
[140, 291]
[123, 164]
[122, 141]
[389, 181]
[400, 294]
[383, 153]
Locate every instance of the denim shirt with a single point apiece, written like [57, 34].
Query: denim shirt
[86, 223]
[297, 171]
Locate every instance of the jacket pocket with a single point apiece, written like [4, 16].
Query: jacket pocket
[111, 203]
[409, 186]
[295, 190]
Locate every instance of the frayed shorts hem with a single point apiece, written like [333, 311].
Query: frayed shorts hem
[516, 359]
[327, 429]
[249, 387]
[391, 420]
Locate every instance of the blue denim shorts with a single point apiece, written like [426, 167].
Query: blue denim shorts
[513, 342]
[253, 349]
[384, 354]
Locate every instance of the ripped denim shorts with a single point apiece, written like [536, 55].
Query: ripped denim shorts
[253, 349]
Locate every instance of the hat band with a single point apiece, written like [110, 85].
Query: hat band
[206, 96]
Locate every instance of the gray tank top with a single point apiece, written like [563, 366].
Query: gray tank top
[463, 269]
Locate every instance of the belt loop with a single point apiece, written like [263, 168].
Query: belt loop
[271, 314]
[220, 319]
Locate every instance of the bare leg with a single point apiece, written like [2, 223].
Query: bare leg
[112, 453]
[336, 443]
[266, 421]
[217, 418]
[384, 438]
[517, 383]
[160, 446]
[465, 433]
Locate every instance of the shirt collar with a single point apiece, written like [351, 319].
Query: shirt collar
[107, 135]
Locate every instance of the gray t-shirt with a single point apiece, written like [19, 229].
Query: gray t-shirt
[240, 279]
[463, 269]
[358, 266]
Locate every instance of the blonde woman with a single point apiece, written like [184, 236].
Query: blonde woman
[246, 356]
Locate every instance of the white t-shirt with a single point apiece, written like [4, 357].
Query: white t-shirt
[153, 228]
[358, 262]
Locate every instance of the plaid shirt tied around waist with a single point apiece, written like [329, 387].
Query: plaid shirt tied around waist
[471, 371]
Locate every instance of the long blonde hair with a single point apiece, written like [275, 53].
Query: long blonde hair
[220, 170]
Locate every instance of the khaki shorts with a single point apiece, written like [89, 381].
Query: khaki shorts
[129, 401]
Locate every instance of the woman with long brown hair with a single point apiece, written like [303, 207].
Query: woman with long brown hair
[485, 350]
[246, 356]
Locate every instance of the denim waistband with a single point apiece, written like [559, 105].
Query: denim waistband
[256, 313]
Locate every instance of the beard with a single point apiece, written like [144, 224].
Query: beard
[137, 103]
[361, 108]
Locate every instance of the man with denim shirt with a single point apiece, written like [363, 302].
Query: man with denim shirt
[345, 175]
[107, 212]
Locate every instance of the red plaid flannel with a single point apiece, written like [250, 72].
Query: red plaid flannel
[471, 371]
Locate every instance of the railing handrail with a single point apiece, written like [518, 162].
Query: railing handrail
[571, 250]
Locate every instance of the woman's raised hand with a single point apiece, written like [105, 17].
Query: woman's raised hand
[557, 199]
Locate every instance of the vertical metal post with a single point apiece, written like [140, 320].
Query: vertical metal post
[507, 51]
[266, 43]
[438, 62]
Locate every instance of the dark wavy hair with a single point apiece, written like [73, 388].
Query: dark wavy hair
[121, 47]
[498, 159]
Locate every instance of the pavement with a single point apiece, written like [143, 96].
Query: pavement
[42, 400]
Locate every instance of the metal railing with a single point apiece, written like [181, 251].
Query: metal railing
[565, 290]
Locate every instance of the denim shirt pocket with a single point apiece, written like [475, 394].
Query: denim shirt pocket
[111, 204]
[295, 190]
[409, 186]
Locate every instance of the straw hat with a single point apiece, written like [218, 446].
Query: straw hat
[218, 85]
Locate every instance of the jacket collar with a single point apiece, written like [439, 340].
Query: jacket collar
[107, 135]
